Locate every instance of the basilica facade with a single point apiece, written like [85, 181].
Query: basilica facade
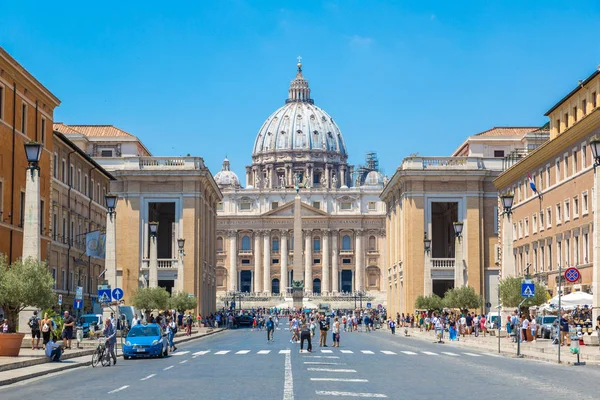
[300, 146]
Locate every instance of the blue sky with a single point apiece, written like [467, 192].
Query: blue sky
[398, 77]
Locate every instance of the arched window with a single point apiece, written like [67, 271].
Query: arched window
[275, 244]
[246, 242]
[275, 286]
[317, 244]
[317, 286]
[346, 243]
[372, 243]
[220, 244]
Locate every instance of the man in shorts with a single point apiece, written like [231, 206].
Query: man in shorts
[67, 333]
[34, 325]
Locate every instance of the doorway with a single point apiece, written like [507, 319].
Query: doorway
[245, 281]
[346, 281]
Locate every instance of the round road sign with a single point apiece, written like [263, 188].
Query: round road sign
[572, 274]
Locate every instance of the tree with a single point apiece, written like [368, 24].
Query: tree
[25, 283]
[463, 298]
[510, 293]
[182, 301]
[429, 303]
[148, 299]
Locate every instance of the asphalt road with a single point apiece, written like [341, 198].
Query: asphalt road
[241, 364]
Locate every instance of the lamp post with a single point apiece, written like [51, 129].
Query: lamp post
[427, 283]
[459, 273]
[507, 263]
[31, 214]
[153, 263]
[595, 147]
[180, 245]
[110, 261]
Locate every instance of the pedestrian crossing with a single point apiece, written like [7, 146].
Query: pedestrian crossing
[330, 353]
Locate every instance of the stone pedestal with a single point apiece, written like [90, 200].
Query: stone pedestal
[459, 267]
[153, 264]
[31, 215]
[110, 262]
[297, 297]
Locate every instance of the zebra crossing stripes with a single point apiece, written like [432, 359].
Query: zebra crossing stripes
[222, 352]
[347, 351]
[264, 352]
[472, 354]
[389, 353]
[449, 354]
[180, 353]
[409, 353]
[327, 351]
[243, 352]
[335, 353]
[367, 352]
[201, 353]
[288, 351]
[429, 353]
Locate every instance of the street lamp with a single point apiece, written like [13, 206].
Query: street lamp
[595, 146]
[111, 203]
[507, 202]
[458, 228]
[180, 244]
[33, 152]
[153, 229]
[426, 243]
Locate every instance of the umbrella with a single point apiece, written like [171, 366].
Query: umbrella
[572, 300]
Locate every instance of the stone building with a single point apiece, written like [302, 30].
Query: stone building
[426, 197]
[177, 192]
[26, 114]
[342, 217]
[556, 227]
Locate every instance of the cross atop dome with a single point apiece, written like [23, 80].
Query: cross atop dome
[299, 90]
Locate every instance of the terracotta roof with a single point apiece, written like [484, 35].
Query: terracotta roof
[508, 131]
[64, 129]
[93, 130]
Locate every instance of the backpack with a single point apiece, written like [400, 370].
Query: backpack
[45, 328]
[34, 324]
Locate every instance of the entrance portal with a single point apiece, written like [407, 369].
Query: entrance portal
[346, 281]
[245, 281]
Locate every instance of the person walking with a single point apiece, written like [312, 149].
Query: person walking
[392, 324]
[336, 332]
[171, 331]
[323, 328]
[533, 328]
[34, 325]
[46, 329]
[270, 329]
[305, 335]
[110, 333]
[67, 333]
[482, 326]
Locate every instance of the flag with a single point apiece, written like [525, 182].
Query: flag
[95, 244]
[532, 186]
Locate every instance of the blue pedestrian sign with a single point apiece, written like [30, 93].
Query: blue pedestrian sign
[104, 296]
[368, 305]
[527, 289]
[117, 294]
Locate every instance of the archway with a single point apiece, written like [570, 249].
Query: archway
[275, 286]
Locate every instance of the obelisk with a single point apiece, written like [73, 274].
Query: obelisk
[297, 285]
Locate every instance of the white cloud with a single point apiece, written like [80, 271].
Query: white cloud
[360, 41]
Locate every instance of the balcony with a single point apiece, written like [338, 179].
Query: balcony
[163, 263]
[245, 252]
[442, 263]
[451, 163]
[153, 163]
[373, 251]
[347, 252]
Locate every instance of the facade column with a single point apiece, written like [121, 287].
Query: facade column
[266, 262]
[596, 252]
[335, 273]
[233, 276]
[31, 215]
[308, 280]
[359, 265]
[283, 278]
[258, 283]
[325, 263]
[327, 176]
[343, 176]
[508, 261]
[153, 263]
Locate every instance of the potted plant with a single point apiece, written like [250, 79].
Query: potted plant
[24, 283]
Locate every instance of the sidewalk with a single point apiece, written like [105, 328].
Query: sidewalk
[542, 349]
[33, 363]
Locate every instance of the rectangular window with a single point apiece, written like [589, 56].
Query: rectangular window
[499, 153]
[274, 205]
[92, 190]
[548, 217]
[346, 261]
[42, 221]
[594, 100]
[558, 176]
[316, 261]
[558, 125]
[574, 161]
[549, 257]
[346, 205]
[98, 192]
[568, 252]
[575, 207]
[71, 280]
[496, 220]
[584, 203]
[245, 206]
[566, 168]
[54, 277]
[566, 120]
[515, 231]
[1, 198]
[534, 223]
[526, 227]
[547, 176]
[574, 114]
[85, 185]
[576, 250]
[558, 214]
[64, 279]
[542, 259]
[106, 153]
[71, 170]
[43, 130]
[54, 226]
[372, 206]
[541, 220]
[275, 261]
[520, 229]
[583, 156]
[559, 253]
[64, 230]
[316, 204]
[22, 213]
[78, 180]
[220, 206]
[584, 107]
[63, 171]
[23, 118]
[586, 243]
[1, 102]
[245, 261]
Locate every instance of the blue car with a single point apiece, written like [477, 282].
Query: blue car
[145, 341]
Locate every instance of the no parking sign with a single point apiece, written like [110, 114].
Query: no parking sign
[572, 274]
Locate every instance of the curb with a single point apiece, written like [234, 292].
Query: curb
[61, 368]
[42, 360]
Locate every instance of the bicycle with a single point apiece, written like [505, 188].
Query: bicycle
[101, 355]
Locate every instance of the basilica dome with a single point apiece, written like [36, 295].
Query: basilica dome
[300, 126]
[226, 177]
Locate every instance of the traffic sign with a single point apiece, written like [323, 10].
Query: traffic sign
[527, 289]
[368, 305]
[79, 292]
[380, 307]
[78, 304]
[117, 294]
[488, 304]
[104, 296]
[60, 299]
[572, 274]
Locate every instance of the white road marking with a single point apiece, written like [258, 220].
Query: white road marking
[330, 370]
[493, 355]
[119, 389]
[429, 353]
[322, 363]
[410, 353]
[183, 362]
[243, 352]
[288, 384]
[321, 356]
[338, 380]
[148, 377]
[327, 351]
[350, 394]
[389, 353]
[449, 354]
[472, 354]
[264, 352]
[180, 353]
[169, 367]
[347, 351]
[220, 353]
[367, 352]
[201, 353]
[284, 351]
